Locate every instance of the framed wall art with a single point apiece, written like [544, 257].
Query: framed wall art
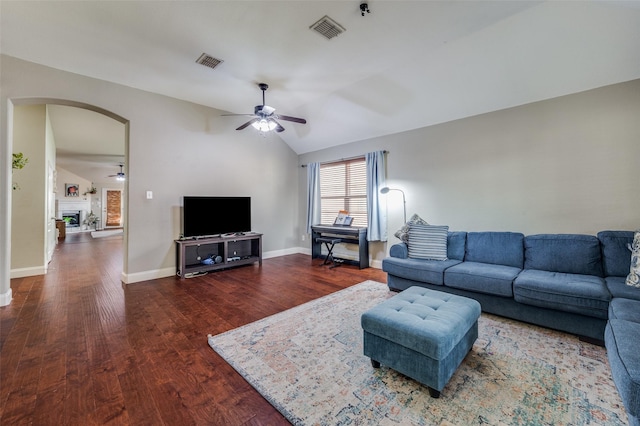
[71, 190]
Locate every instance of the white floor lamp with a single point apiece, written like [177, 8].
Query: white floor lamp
[386, 189]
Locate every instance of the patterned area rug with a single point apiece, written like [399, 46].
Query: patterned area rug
[308, 363]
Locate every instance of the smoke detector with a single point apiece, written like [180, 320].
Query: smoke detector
[328, 27]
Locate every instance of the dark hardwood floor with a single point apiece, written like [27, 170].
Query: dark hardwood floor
[77, 347]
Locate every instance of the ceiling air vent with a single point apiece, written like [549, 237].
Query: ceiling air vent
[328, 27]
[209, 61]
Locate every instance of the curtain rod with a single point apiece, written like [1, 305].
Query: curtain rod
[344, 159]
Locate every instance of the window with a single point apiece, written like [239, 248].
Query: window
[343, 186]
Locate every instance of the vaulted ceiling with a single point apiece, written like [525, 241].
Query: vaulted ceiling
[404, 65]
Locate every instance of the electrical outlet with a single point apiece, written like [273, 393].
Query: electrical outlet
[304, 237]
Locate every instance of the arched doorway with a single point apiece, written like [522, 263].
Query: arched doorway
[9, 245]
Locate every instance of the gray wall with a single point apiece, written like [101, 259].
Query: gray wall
[29, 230]
[561, 165]
[174, 148]
[565, 165]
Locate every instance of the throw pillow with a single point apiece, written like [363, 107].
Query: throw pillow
[428, 242]
[633, 279]
[403, 233]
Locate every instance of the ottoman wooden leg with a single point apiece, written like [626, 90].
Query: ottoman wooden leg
[375, 364]
[434, 393]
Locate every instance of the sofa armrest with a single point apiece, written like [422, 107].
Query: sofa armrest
[399, 250]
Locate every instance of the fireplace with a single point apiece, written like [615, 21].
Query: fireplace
[71, 218]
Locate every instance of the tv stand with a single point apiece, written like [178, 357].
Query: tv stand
[223, 252]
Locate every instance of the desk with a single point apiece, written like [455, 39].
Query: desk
[349, 234]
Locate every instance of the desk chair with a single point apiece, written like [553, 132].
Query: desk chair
[329, 243]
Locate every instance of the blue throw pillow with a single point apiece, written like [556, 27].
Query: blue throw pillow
[428, 242]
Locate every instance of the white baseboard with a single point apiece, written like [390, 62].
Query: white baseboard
[5, 298]
[285, 252]
[28, 272]
[147, 275]
[168, 272]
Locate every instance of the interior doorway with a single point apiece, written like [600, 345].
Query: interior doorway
[112, 208]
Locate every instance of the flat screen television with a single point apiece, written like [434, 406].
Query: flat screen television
[209, 216]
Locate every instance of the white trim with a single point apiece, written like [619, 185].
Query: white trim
[147, 275]
[285, 252]
[167, 272]
[377, 264]
[28, 272]
[5, 298]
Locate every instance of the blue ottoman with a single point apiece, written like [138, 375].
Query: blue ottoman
[421, 333]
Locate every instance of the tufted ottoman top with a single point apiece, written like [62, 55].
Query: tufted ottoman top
[427, 321]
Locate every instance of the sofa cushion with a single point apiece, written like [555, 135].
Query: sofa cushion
[616, 256]
[625, 309]
[580, 294]
[456, 244]
[568, 253]
[618, 288]
[482, 277]
[428, 242]
[497, 248]
[429, 271]
[624, 359]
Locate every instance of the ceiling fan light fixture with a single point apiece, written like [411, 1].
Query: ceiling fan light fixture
[120, 177]
[264, 125]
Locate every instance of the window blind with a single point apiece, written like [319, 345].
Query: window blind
[343, 186]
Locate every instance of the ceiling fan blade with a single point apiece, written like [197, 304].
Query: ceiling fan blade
[268, 110]
[294, 119]
[278, 127]
[248, 123]
[237, 115]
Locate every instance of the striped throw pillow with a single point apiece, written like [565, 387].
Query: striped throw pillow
[428, 242]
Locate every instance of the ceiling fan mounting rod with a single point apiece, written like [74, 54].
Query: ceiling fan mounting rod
[263, 87]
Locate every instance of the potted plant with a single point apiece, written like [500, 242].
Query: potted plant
[19, 161]
[91, 220]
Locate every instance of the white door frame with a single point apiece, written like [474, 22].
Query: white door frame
[50, 215]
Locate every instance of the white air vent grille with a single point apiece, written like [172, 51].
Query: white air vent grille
[328, 27]
[209, 61]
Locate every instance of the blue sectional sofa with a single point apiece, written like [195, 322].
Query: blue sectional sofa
[568, 282]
